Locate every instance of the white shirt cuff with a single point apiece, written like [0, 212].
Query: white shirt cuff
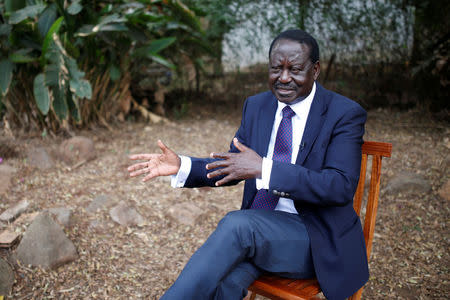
[263, 182]
[178, 180]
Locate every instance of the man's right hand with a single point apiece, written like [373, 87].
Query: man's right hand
[167, 163]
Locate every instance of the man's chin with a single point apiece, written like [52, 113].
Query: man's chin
[285, 98]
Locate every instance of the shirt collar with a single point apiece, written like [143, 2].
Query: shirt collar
[300, 106]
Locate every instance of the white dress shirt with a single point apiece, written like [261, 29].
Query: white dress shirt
[301, 110]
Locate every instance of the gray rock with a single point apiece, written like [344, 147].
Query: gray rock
[6, 174]
[13, 212]
[125, 215]
[185, 213]
[408, 183]
[45, 244]
[39, 158]
[6, 278]
[77, 149]
[62, 214]
[99, 202]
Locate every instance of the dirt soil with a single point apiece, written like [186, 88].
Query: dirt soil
[410, 258]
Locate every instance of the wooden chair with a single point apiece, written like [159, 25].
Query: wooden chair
[279, 288]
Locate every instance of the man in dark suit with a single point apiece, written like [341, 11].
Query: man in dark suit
[298, 148]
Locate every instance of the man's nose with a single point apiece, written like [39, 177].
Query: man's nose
[285, 77]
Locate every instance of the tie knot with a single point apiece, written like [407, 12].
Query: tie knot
[288, 112]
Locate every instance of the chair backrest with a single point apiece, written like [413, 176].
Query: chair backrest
[377, 150]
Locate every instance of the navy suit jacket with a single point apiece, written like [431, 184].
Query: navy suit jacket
[321, 183]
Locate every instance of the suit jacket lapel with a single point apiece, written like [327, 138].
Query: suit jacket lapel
[266, 119]
[314, 123]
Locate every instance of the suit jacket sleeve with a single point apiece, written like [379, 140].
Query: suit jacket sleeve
[337, 152]
[197, 176]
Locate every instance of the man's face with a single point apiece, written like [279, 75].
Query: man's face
[291, 72]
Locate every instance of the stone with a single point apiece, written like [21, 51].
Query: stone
[45, 244]
[408, 183]
[39, 158]
[62, 214]
[77, 149]
[6, 278]
[6, 174]
[8, 238]
[13, 212]
[185, 213]
[444, 191]
[25, 219]
[99, 202]
[126, 215]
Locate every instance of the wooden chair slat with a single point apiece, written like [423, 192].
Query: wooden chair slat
[278, 288]
[275, 288]
[377, 148]
[372, 203]
[357, 200]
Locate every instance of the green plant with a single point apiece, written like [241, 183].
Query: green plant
[63, 46]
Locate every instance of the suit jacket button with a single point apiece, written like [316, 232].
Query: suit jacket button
[287, 195]
[283, 194]
[275, 192]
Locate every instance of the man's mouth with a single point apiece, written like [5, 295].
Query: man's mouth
[284, 91]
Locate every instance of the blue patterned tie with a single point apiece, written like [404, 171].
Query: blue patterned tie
[281, 152]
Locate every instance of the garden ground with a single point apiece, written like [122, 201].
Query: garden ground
[410, 258]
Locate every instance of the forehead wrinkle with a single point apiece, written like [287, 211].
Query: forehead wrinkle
[295, 58]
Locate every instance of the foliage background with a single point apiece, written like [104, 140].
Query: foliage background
[78, 63]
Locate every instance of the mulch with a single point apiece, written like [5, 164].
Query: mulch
[410, 257]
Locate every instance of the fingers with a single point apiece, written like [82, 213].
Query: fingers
[224, 155]
[217, 164]
[162, 146]
[137, 166]
[140, 172]
[239, 145]
[224, 180]
[217, 173]
[153, 173]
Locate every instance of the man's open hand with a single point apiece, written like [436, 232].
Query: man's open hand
[236, 166]
[167, 163]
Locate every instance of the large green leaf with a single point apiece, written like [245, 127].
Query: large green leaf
[81, 88]
[186, 15]
[49, 36]
[75, 7]
[12, 5]
[161, 60]
[53, 75]
[59, 103]
[108, 23]
[5, 29]
[22, 56]
[74, 72]
[46, 19]
[114, 72]
[6, 67]
[41, 94]
[72, 103]
[25, 13]
[56, 71]
[112, 27]
[155, 46]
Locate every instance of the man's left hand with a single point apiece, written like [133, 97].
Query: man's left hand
[236, 166]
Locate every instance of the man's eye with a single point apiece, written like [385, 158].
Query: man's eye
[275, 69]
[296, 70]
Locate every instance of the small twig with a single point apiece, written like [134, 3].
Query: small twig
[66, 290]
[77, 165]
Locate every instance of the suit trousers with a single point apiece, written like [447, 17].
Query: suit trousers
[245, 244]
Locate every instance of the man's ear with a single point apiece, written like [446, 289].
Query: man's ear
[316, 70]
